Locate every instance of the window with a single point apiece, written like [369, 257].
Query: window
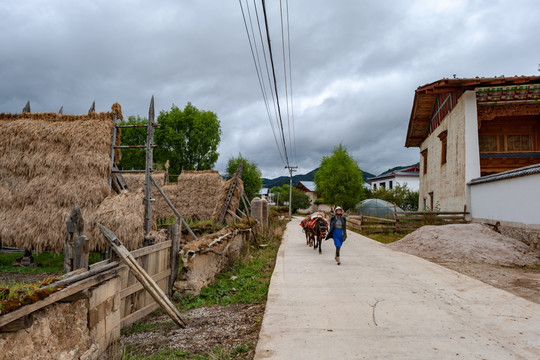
[374, 186]
[424, 157]
[488, 143]
[518, 142]
[442, 137]
[382, 185]
[390, 184]
[431, 200]
[502, 143]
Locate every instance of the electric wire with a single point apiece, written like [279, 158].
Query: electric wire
[285, 73]
[291, 82]
[259, 73]
[275, 83]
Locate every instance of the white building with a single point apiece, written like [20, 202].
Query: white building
[479, 142]
[408, 176]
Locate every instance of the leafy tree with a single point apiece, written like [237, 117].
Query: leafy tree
[399, 195]
[188, 138]
[133, 158]
[339, 179]
[251, 175]
[299, 199]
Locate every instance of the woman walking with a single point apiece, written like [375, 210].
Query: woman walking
[338, 231]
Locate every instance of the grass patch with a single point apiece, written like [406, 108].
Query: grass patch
[49, 263]
[248, 280]
[384, 237]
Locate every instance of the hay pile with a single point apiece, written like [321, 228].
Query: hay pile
[197, 195]
[48, 163]
[123, 214]
[466, 243]
[135, 181]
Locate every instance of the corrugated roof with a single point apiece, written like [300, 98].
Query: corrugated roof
[310, 185]
[524, 171]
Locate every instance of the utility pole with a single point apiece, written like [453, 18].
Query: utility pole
[291, 170]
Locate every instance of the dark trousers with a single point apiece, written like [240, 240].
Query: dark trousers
[337, 250]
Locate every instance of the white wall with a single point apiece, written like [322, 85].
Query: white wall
[511, 200]
[412, 183]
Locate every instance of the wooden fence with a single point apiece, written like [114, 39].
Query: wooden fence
[405, 221]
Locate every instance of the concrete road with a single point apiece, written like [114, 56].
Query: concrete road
[383, 304]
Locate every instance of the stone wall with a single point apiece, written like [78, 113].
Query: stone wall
[203, 262]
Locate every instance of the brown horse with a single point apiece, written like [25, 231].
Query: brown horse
[317, 228]
[304, 224]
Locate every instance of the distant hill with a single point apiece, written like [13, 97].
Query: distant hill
[282, 180]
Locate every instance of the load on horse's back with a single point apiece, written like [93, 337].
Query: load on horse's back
[315, 227]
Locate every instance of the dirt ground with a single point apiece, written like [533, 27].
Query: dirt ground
[478, 252]
[523, 282]
[234, 327]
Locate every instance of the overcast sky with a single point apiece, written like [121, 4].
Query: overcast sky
[355, 65]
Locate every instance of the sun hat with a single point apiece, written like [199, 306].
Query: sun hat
[338, 208]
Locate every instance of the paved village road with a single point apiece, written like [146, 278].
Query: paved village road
[318, 310]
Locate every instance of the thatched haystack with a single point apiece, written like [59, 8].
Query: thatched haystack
[135, 181]
[48, 163]
[123, 214]
[197, 195]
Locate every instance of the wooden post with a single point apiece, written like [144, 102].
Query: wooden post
[148, 174]
[396, 223]
[176, 230]
[75, 224]
[167, 166]
[80, 252]
[26, 108]
[361, 222]
[92, 108]
[114, 129]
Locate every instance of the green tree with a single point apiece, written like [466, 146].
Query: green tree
[187, 138]
[133, 158]
[399, 195]
[339, 179]
[251, 175]
[299, 199]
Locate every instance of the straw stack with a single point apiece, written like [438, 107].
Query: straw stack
[48, 163]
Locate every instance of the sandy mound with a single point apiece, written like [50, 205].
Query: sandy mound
[466, 242]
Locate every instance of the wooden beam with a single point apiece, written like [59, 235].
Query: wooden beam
[141, 275]
[173, 208]
[149, 167]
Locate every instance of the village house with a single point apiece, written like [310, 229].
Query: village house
[407, 176]
[479, 142]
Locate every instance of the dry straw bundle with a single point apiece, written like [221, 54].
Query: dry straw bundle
[48, 163]
[123, 214]
[197, 195]
[135, 181]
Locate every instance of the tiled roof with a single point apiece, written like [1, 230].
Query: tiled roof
[527, 170]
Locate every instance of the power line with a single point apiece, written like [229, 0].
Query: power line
[275, 82]
[290, 78]
[259, 72]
